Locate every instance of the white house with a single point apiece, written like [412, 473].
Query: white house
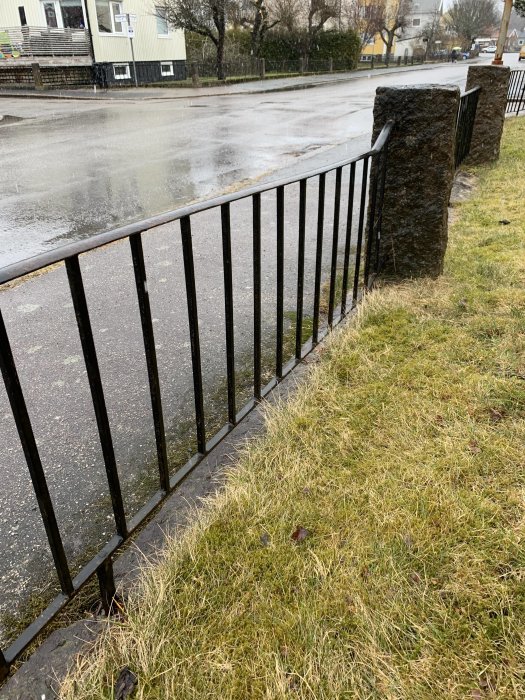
[422, 13]
[95, 32]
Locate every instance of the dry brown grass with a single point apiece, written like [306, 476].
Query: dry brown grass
[403, 457]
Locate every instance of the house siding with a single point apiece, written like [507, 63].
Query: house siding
[147, 45]
[9, 16]
[112, 48]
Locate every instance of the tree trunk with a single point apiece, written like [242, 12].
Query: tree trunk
[220, 57]
[219, 19]
[388, 46]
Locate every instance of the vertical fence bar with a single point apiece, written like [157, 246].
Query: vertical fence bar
[384, 157]
[362, 206]
[193, 321]
[106, 584]
[78, 296]
[4, 667]
[300, 270]
[137, 255]
[280, 283]
[335, 243]
[521, 89]
[256, 215]
[371, 232]
[36, 471]
[349, 220]
[318, 257]
[228, 310]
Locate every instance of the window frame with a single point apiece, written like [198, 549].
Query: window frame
[167, 63]
[159, 17]
[416, 22]
[122, 77]
[110, 4]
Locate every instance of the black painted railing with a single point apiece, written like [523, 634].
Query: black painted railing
[465, 123]
[347, 226]
[516, 92]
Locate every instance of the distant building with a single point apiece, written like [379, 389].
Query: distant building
[424, 13]
[81, 37]
[515, 40]
[410, 40]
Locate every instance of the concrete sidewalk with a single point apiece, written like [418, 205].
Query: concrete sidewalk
[247, 88]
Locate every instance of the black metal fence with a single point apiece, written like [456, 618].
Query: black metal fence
[516, 92]
[345, 252]
[465, 123]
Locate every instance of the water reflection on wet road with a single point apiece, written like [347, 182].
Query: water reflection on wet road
[71, 169]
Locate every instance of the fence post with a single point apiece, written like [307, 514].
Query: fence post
[372, 62]
[331, 65]
[301, 64]
[262, 68]
[399, 60]
[490, 115]
[194, 72]
[418, 178]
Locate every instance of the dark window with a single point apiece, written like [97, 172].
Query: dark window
[22, 13]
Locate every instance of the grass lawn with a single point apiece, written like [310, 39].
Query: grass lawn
[403, 461]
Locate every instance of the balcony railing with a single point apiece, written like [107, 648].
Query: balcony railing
[20, 42]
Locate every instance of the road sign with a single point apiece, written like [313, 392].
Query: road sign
[132, 18]
[120, 18]
[131, 31]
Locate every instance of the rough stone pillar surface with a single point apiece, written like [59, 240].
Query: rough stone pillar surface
[419, 176]
[490, 115]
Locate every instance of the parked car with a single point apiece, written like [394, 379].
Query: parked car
[488, 49]
[522, 53]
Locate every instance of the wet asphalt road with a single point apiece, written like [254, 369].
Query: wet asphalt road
[71, 169]
[92, 166]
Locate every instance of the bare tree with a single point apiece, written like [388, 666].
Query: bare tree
[258, 20]
[287, 13]
[205, 17]
[319, 12]
[472, 18]
[366, 17]
[432, 31]
[395, 21]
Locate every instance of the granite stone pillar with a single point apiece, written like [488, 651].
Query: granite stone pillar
[419, 176]
[490, 115]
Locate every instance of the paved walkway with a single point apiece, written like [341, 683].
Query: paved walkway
[251, 87]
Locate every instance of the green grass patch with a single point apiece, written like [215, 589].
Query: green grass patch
[402, 459]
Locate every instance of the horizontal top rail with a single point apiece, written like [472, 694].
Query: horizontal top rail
[476, 88]
[37, 262]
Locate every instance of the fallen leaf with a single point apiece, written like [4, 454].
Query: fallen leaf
[126, 684]
[300, 534]
[504, 222]
[484, 682]
[495, 415]
[474, 447]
